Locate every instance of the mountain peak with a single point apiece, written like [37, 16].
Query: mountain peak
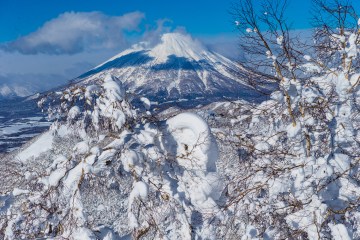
[170, 44]
[177, 44]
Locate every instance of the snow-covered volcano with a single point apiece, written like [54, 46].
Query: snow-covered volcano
[177, 67]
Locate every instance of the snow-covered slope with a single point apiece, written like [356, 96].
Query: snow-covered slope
[177, 67]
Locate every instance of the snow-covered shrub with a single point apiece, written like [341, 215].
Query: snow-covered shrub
[91, 107]
[110, 172]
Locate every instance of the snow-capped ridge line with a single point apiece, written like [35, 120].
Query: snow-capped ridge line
[176, 44]
[179, 45]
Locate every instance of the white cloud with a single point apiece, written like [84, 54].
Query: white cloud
[153, 33]
[75, 32]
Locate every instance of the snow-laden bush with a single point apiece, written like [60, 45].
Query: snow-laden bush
[111, 172]
[92, 108]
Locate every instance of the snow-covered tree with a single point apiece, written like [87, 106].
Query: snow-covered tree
[300, 178]
[113, 171]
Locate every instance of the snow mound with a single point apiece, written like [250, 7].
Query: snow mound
[195, 146]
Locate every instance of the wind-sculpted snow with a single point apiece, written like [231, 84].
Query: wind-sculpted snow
[189, 130]
[196, 152]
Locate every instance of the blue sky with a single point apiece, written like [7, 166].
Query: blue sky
[199, 17]
[56, 40]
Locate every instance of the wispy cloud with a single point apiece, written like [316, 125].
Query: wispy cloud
[75, 32]
[153, 33]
